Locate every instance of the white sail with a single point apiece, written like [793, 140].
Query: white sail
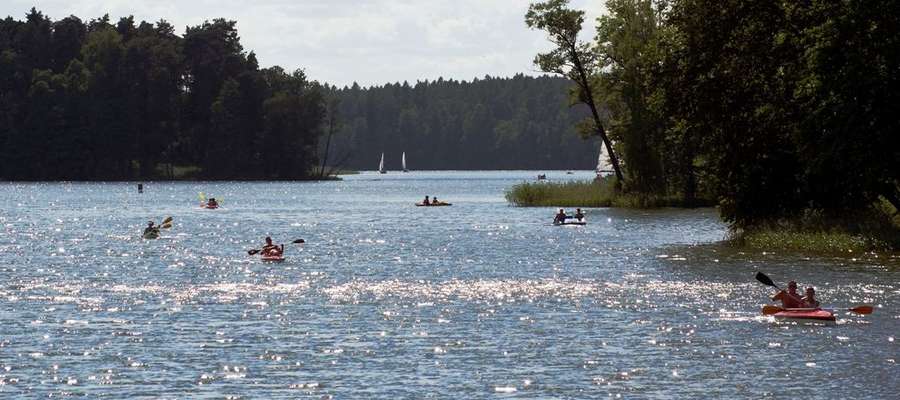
[600, 159]
[403, 159]
[604, 165]
[381, 165]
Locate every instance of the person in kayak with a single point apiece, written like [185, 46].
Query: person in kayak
[809, 301]
[434, 200]
[578, 214]
[151, 230]
[271, 249]
[212, 203]
[789, 298]
[426, 202]
[560, 217]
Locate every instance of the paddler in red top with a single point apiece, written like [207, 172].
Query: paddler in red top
[272, 250]
[790, 298]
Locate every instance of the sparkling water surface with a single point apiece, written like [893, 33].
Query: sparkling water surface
[386, 300]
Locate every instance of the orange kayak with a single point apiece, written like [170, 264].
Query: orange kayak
[806, 315]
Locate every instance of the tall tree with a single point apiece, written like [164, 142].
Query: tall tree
[849, 90]
[213, 53]
[573, 59]
[730, 83]
[627, 47]
[292, 124]
[102, 55]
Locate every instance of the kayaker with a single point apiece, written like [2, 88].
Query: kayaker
[426, 202]
[150, 229]
[578, 214]
[560, 217]
[790, 298]
[434, 201]
[809, 301]
[272, 250]
[212, 203]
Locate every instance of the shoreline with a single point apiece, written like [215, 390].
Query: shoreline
[873, 230]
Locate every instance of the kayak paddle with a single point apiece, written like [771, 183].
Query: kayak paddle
[166, 223]
[765, 280]
[254, 251]
[862, 310]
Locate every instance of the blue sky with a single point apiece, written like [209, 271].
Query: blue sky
[342, 41]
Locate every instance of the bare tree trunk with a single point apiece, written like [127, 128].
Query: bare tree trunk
[337, 166]
[891, 197]
[585, 86]
[331, 121]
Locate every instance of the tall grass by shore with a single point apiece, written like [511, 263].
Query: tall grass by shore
[876, 229]
[567, 194]
[585, 194]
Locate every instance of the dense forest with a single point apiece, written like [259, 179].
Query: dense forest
[125, 100]
[103, 100]
[775, 109]
[492, 123]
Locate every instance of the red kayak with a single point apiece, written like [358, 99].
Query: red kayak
[806, 315]
[273, 258]
[208, 206]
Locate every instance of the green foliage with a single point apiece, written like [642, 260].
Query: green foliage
[562, 25]
[847, 88]
[127, 101]
[292, 117]
[627, 46]
[775, 108]
[728, 71]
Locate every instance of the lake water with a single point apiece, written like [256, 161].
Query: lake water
[387, 300]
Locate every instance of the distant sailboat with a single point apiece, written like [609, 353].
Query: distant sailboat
[604, 166]
[381, 165]
[403, 159]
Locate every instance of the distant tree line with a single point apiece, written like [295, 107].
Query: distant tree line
[520, 122]
[125, 100]
[775, 109]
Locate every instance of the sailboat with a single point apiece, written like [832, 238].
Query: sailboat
[381, 165]
[604, 166]
[403, 159]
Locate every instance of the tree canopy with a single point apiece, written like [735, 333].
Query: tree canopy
[97, 100]
[774, 108]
